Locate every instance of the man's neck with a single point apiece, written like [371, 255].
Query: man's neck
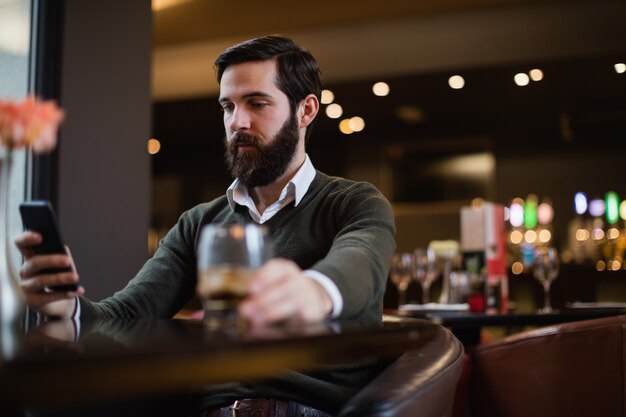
[267, 195]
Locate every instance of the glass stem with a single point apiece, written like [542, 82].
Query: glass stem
[546, 297]
[425, 291]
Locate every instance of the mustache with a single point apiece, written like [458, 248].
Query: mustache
[244, 139]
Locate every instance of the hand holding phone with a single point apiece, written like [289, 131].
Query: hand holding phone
[39, 217]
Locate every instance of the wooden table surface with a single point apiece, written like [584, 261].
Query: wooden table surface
[112, 360]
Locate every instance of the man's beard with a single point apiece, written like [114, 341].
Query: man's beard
[256, 168]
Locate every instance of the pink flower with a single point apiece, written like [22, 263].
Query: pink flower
[9, 114]
[32, 122]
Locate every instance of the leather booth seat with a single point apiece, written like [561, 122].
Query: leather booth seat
[574, 369]
[419, 383]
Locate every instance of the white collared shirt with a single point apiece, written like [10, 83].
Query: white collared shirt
[294, 191]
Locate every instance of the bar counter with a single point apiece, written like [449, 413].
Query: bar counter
[467, 326]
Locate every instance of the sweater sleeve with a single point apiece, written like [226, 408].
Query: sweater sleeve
[359, 258]
[162, 286]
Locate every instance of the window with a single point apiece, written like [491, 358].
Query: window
[15, 52]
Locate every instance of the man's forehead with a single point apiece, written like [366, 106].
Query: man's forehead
[252, 75]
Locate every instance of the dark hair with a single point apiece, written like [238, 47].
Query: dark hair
[298, 72]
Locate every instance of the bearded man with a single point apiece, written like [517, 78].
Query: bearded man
[333, 237]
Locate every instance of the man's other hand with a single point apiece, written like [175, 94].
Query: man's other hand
[279, 291]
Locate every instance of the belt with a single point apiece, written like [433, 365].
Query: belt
[266, 408]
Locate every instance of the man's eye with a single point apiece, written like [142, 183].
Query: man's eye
[227, 107]
[258, 104]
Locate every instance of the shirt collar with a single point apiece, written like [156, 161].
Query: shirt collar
[237, 193]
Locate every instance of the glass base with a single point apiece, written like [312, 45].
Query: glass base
[223, 319]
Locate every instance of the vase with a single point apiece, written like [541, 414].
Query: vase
[12, 304]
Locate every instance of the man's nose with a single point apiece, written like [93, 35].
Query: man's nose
[239, 119]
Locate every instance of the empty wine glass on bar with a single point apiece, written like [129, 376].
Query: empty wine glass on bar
[425, 270]
[545, 270]
[400, 274]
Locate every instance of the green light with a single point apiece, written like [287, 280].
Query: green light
[612, 207]
[530, 212]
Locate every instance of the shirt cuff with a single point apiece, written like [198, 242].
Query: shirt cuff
[331, 289]
[76, 318]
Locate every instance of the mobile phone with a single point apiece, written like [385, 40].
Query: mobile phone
[39, 216]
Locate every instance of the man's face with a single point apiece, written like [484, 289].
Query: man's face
[262, 134]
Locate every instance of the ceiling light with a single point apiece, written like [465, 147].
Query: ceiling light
[620, 68]
[327, 97]
[154, 146]
[456, 82]
[334, 111]
[356, 123]
[344, 127]
[536, 74]
[521, 79]
[381, 89]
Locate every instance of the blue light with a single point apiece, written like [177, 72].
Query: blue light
[580, 202]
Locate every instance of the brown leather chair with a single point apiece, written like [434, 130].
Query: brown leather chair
[574, 369]
[418, 384]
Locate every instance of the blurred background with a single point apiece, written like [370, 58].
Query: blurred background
[439, 104]
[430, 145]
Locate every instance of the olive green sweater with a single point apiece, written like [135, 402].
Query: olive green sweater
[341, 228]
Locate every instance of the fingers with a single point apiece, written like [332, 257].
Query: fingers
[69, 253]
[40, 294]
[280, 291]
[25, 240]
[33, 265]
[272, 304]
[43, 282]
[272, 273]
[39, 279]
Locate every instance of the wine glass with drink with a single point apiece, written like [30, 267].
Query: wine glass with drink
[227, 257]
[545, 270]
[425, 270]
[400, 274]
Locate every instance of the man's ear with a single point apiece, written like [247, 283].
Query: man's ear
[307, 110]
